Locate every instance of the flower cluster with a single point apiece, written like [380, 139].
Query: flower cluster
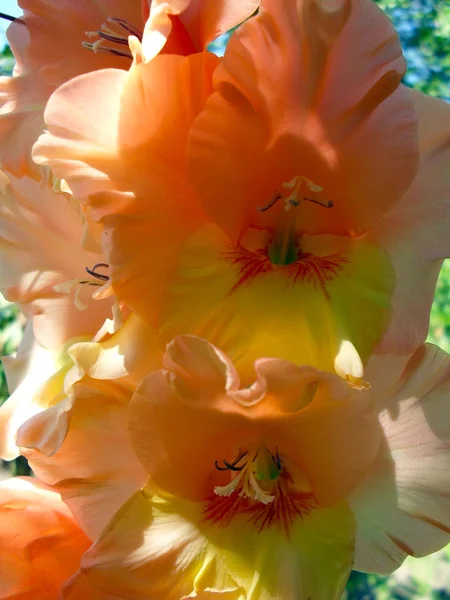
[227, 266]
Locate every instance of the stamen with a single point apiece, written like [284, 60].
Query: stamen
[325, 204]
[94, 273]
[106, 34]
[294, 198]
[277, 460]
[262, 489]
[90, 283]
[270, 204]
[11, 18]
[127, 26]
[98, 48]
[231, 466]
[111, 37]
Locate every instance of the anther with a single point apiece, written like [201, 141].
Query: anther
[270, 204]
[293, 202]
[277, 460]
[105, 33]
[325, 204]
[231, 466]
[127, 26]
[96, 47]
[11, 18]
[94, 273]
[111, 37]
[91, 283]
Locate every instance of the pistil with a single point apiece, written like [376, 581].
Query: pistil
[283, 249]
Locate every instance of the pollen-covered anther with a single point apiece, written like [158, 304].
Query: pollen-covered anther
[107, 34]
[357, 383]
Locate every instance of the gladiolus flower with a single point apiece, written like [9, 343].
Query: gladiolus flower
[58, 39]
[264, 242]
[61, 286]
[277, 489]
[40, 543]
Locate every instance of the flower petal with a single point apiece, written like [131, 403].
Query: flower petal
[123, 153]
[91, 482]
[414, 233]
[30, 370]
[330, 432]
[403, 505]
[206, 21]
[52, 54]
[188, 26]
[40, 543]
[154, 535]
[40, 241]
[276, 313]
[307, 91]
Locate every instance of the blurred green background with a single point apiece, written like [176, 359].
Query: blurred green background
[424, 28]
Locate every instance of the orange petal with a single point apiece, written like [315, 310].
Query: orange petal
[306, 91]
[40, 543]
[123, 154]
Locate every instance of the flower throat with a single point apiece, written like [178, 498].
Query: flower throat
[284, 248]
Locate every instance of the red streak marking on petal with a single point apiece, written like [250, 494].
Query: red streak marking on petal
[288, 505]
[250, 264]
[309, 269]
[317, 270]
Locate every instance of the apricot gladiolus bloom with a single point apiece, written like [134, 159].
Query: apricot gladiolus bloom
[40, 543]
[263, 241]
[58, 283]
[56, 40]
[277, 489]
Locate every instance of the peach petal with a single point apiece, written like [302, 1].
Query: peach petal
[40, 251]
[330, 432]
[414, 233]
[30, 370]
[207, 21]
[187, 26]
[42, 69]
[91, 481]
[278, 113]
[402, 507]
